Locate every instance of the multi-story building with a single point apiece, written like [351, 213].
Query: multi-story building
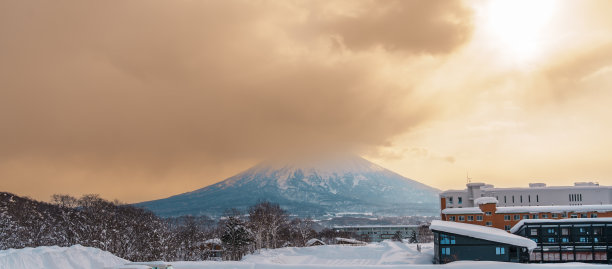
[568, 240]
[487, 213]
[537, 194]
[377, 233]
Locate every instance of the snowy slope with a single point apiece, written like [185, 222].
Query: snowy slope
[349, 184]
[74, 257]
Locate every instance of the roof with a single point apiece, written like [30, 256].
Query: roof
[518, 226]
[465, 210]
[216, 241]
[314, 241]
[531, 209]
[349, 240]
[485, 200]
[377, 226]
[482, 232]
[554, 208]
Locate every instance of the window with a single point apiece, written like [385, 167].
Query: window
[452, 218]
[555, 215]
[583, 215]
[574, 216]
[537, 198]
[533, 231]
[596, 230]
[517, 217]
[500, 250]
[479, 218]
[535, 216]
[505, 200]
[521, 199]
[459, 200]
[529, 198]
[525, 216]
[564, 215]
[470, 218]
[593, 215]
[583, 240]
[447, 239]
[534, 239]
[551, 240]
[564, 231]
[513, 199]
[488, 213]
[544, 216]
[461, 218]
[506, 217]
[507, 227]
[564, 239]
[450, 200]
[445, 251]
[488, 223]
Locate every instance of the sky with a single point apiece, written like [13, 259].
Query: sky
[140, 100]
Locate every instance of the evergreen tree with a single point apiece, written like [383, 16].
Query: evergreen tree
[413, 238]
[236, 237]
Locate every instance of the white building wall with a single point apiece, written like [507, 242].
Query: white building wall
[536, 195]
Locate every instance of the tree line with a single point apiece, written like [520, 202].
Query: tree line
[137, 234]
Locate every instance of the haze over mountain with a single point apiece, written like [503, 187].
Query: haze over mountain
[308, 188]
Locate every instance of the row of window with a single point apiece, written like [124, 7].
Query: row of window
[575, 197]
[525, 216]
[537, 199]
[581, 239]
[459, 200]
[566, 231]
[498, 251]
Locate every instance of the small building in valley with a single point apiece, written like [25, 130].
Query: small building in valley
[460, 241]
[378, 233]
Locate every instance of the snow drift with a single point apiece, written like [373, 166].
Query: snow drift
[74, 257]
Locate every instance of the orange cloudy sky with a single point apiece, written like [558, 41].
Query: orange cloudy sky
[138, 100]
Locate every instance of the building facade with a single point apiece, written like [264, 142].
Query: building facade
[487, 213]
[537, 194]
[378, 233]
[459, 241]
[568, 240]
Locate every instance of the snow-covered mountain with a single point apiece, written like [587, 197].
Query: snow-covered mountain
[314, 188]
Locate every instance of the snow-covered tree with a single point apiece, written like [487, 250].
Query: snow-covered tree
[236, 237]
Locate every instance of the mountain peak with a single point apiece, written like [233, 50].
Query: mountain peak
[340, 183]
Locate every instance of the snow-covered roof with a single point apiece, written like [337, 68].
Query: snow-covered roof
[531, 209]
[378, 226]
[314, 241]
[216, 241]
[518, 226]
[554, 208]
[485, 200]
[465, 210]
[349, 240]
[482, 232]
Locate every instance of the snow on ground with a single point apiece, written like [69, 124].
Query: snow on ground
[55, 257]
[384, 255]
[387, 252]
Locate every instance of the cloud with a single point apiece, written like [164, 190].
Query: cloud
[134, 90]
[411, 26]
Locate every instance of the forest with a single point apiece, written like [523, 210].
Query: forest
[137, 234]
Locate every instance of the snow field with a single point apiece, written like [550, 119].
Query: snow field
[384, 255]
[77, 257]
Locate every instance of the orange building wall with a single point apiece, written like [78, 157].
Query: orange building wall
[498, 221]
